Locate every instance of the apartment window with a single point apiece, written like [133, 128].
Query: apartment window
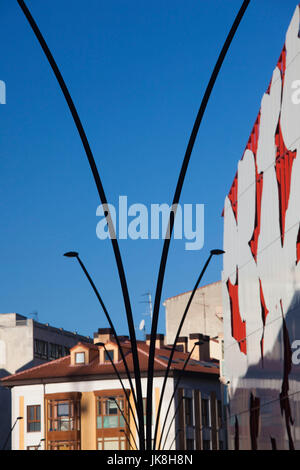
[111, 443]
[220, 414]
[56, 351]
[80, 358]
[206, 444]
[63, 415]
[205, 412]
[40, 349]
[34, 418]
[190, 444]
[110, 411]
[221, 445]
[109, 355]
[188, 411]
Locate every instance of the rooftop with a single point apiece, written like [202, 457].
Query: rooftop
[62, 369]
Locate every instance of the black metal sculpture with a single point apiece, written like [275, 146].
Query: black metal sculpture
[121, 272]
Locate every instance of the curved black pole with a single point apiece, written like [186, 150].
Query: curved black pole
[128, 440]
[103, 199]
[121, 382]
[212, 253]
[121, 411]
[11, 430]
[169, 428]
[74, 254]
[178, 190]
[175, 388]
[178, 431]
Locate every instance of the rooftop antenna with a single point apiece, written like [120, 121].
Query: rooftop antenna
[35, 315]
[149, 302]
[142, 328]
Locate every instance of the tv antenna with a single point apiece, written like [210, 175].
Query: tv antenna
[149, 302]
[142, 327]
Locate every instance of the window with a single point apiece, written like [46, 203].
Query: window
[190, 444]
[34, 418]
[219, 404]
[111, 443]
[63, 415]
[221, 445]
[80, 358]
[206, 444]
[40, 349]
[56, 351]
[109, 355]
[205, 412]
[110, 411]
[188, 411]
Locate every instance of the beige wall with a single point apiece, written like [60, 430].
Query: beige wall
[204, 315]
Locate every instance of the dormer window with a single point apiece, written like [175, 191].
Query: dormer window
[109, 355]
[80, 358]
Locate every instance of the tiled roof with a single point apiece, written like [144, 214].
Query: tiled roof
[61, 369]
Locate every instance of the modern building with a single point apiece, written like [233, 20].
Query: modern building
[261, 272]
[25, 343]
[205, 315]
[77, 401]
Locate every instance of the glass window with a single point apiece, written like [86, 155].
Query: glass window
[110, 411]
[206, 444]
[111, 443]
[188, 411]
[63, 415]
[80, 358]
[190, 444]
[34, 418]
[40, 349]
[205, 412]
[219, 403]
[109, 355]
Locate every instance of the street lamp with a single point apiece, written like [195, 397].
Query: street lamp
[74, 254]
[39, 445]
[103, 200]
[215, 252]
[11, 430]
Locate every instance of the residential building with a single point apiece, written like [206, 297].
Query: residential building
[261, 272]
[25, 343]
[77, 401]
[205, 316]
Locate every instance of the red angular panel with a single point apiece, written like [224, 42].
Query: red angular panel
[238, 326]
[284, 166]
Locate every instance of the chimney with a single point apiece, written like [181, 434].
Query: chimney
[182, 344]
[159, 341]
[103, 335]
[201, 352]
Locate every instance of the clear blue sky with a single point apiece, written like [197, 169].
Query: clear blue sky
[136, 71]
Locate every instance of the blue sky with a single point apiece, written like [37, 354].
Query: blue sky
[136, 71]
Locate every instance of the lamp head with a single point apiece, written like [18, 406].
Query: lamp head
[71, 254]
[217, 252]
